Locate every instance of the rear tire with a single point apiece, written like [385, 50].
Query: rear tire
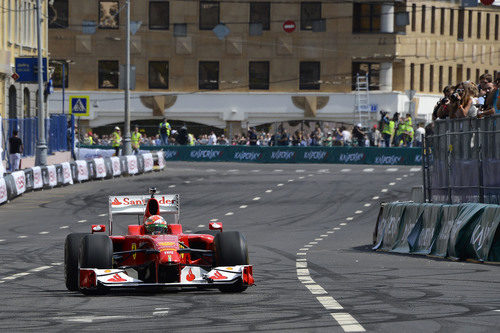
[71, 254]
[231, 250]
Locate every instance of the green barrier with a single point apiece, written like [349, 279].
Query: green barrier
[450, 213]
[388, 228]
[459, 246]
[483, 235]
[256, 154]
[427, 229]
[412, 215]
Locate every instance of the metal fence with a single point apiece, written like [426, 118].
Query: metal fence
[56, 134]
[461, 161]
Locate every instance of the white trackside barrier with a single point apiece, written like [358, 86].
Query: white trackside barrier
[3, 190]
[115, 162]
[148, 162]
[51, 170]
[37, 178]
[132, 165]
[20, 181]
[83, 171]
[100, 168]
[67, 178]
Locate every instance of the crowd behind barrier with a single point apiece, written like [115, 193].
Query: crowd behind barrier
[69, 173]
[458, 231]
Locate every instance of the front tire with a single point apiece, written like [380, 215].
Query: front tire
[231, 250]
[71, 254]
[96, 251]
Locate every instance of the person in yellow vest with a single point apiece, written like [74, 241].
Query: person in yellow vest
[135, 139]
[407, 135]
[191, 139]
[116, 140]
[164, 131]
[387, 129]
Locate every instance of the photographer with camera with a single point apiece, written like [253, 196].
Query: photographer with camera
[441, 110]
[462, 101]
[492, 102]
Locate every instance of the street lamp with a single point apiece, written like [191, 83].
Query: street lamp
[127, 148]
[41, 148]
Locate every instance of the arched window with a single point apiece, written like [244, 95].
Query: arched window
[12, 103]
[26, 103]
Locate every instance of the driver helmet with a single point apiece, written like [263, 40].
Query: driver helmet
[155, 224]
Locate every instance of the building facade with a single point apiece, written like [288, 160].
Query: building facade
[18, 38]
[254, 62]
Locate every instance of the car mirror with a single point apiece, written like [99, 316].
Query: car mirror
[215, 226]
[98, 228]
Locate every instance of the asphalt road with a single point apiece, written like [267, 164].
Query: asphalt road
[309, 230]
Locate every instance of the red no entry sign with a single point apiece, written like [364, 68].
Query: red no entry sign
[289, 26]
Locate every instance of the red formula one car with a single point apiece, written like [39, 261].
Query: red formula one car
[154, 253]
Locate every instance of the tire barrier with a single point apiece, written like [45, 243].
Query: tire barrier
[459, 232]
[69, 173]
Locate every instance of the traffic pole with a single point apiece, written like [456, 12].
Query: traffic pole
[127, 148]
[41, 148]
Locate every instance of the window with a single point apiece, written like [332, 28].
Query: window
[309, 75]
[479, 25]
[461, 19]
[159, 15]
[366, 17]
[109, 15]
[431, 78]
[309, 12]
[477, 75]
[440, 78]
[496, 27]
[450, 76]
[469, 27]
[422, 25]
[422, 73]
[158, 75]
[260, 12]
[452, 21]
[258, 75]
[209, 14]
[57, 76]
[413, 17]
[370, 68]
[441, 28]
[460, 71]
[433, 19]
[468, 75]
[488, 26]
[58, 14]
[26, 103]
[412, 76]
[208, 75]
[108, 74]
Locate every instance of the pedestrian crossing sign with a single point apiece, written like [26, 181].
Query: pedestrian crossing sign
[79, 106]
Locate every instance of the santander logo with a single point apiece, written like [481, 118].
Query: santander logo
[116, 202]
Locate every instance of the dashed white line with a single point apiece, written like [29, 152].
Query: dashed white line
[255, 170]
[229, 213]
[82, 221]
[308, 245]
[2, 240]
[256, 199]
[243, 206]
[15, 276]
[64, 227]
[415, 169]
[336, 228]
[345, 170]
[43, 232]
[330, 232]
[280, 185]
[211, 170]
[56, 263]
[392, 184]
[329, 303]
[405, 176]
[391, 169]
[301, 253]
[22, 236]
[200, 179]
[358, 212]
[301, 259]
[212, 220]
[368, 204]
[187, 182]
[399, 178]
[376, 198]
[2, 281]
[171, 186]
[343, 223]
[324, 235]
[233, 170]
[269, 191]
[300, 170]
[188, 231]
[310, 175]
[347, 322]
[160, 311]
[384, 190]
[39, 269]
[316, 289]
[313, 243]
[349, 218]
[201, 225]
[368, 170]
[278, 170]
[290, 180]
[318, 239]
[302, 271]
[303, 249]
[302, 177]
[101, 215]
[306, 279]
[301, 264]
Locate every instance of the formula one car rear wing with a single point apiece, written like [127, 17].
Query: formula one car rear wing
[136, 205]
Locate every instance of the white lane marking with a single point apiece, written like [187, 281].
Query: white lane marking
[329, 303]
[497, 310]
[306, 279]
[336, 228]
[415, 169]
[229, 213]
[368, 170]
[39, 269]
[278, 170]
[56, 263]
[343, 223]
[302, 271]
[392, 184]
[2, 240]
[308, 245]
[171, 186]
[391, 169]
[162, 308]
[302, 177]
[82, 221]
[316, 289]
[212, 220]
[301, 259]
[233, 170]
[301, 264]
[160, 311]
[376, 198]
[310, 175]
[64, 227]
[15, 276]
[255, 170]
[318, 239]
[290, 180]
[345, 170]
[280, 185]
[330, 232]
[101, 215]
[384, 190]
[358, 212]
[313, 243]
[201, 225]
[22, 236]
[303, 249]
[347, 322]
[43, 232]
[243, 206]
[399, 178]
[368, 204]
[301, 253]
[269, 191]
[349, 218]
[300, 170]
[188, 231]
[256, 199]
[89, 319]
[200, 179]
[324, 171]
[405, 176]
[187, 182]
[324, 235]
[2, 281]
[211, 170]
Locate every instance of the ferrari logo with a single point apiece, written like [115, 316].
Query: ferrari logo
[134, 247]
